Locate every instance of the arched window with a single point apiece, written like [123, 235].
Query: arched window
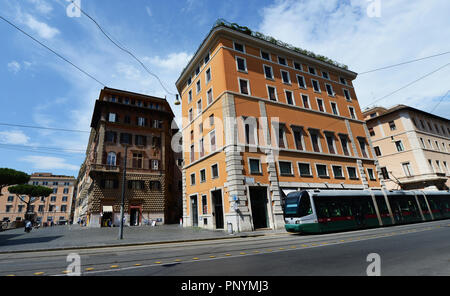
[111, 160]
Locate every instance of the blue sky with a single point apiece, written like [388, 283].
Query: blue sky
[39, 89]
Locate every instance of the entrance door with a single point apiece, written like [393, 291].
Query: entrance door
[134, 216]
[258, 200]
[194, 210]
[218, 208]
[107, 219]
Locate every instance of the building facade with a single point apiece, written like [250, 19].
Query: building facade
[56, 208]
[261, 120]
[412, 146]
[139, 128]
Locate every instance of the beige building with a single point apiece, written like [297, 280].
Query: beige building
[56, 207]
[412, 146]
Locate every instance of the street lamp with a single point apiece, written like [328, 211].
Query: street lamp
[122, 207]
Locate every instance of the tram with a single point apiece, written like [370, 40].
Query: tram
[320, 211]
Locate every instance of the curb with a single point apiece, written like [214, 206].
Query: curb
[134, 244]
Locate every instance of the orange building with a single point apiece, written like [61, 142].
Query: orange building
[261, 119]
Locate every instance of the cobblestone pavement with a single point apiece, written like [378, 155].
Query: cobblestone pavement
[73, 236]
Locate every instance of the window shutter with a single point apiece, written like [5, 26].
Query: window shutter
[104, 157]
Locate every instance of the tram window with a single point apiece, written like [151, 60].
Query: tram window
[382, 207]
[422, 203]
[321, 208]
[305, 206]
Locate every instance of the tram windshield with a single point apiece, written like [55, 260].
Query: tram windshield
[297, 205]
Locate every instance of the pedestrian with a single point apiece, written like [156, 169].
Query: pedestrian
[28, 226]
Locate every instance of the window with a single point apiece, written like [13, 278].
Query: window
[11, 198]
[191, 115]
[334, 108]
[197, 70]
[371, 132]
[212, 140]
[215, 171]
[239, 47]
[190, 96]
[63, 208]
[241, 64]
[140, 140]
[315, 142]
[329, 90]
[41, 209]
[8, 208]
[285, 77]
[207, 58]
[298, 138]
[385, 173]
[202, 176]
[250, 133]
[138, 160]
[371, 174]
[431, 165]
[315, 85]
[282, 61]
[392, 125]
[281, 136]
[352, 112]
[422, 143]
[66, 190]
[438, 165]
[268, 72]
[342, 80]
[437, 145]
[399, 146]
[192, 179]
[352, 173]
[192, 153]
[20, 208]
[445, 166]
[289, 97]
[110, 137]
[325, 75]
[305, 100]
[209, 96]
[377, 151]
[199, 107]
[362, 145]
[407, 169]
[322, 170]
[154, 164]
[208, 75]
[272, 93]
[320, 105]
[347, 95]
[330, 143]
[55, 190]
[64, 198]
[338, 172]
[136, 184]
[265, 55]
[243, 86]
[297, 66]
[304, 169]
[312, 70]
[285, 168]
[202, 147]
[199, 86]
[211, 120]
[301, 81]
[255, 166]
[155, 185]
[112, 117]
[125, 138]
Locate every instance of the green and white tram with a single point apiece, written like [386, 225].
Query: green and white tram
[318, 211]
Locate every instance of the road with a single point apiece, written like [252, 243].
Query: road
[417, 249]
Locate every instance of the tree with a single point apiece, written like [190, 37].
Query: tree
[29, 194]
[12, 177]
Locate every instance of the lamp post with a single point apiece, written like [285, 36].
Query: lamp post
[122, 207]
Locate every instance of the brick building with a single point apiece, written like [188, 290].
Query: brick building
[261, 119]
[143, 124]
[57, 207]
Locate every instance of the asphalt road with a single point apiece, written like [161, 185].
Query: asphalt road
[417, 249]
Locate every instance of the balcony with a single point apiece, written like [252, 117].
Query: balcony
[423, 178]
[104, 168]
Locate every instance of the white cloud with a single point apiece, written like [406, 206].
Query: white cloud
[149, 11]
[42, 6]
[49, 163]
[43, 29]
[344, 32]
[13, 138]
[174, 61]
[14, 67]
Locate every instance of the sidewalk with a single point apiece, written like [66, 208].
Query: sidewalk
[74, 236]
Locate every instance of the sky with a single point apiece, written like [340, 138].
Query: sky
[37, 88]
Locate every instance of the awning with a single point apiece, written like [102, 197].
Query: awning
[286, 191]
[107, 209]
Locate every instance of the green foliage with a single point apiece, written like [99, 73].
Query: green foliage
[246, 30]
[30, 190]
[12, 177]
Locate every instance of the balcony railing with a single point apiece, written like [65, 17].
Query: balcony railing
[104, 168]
